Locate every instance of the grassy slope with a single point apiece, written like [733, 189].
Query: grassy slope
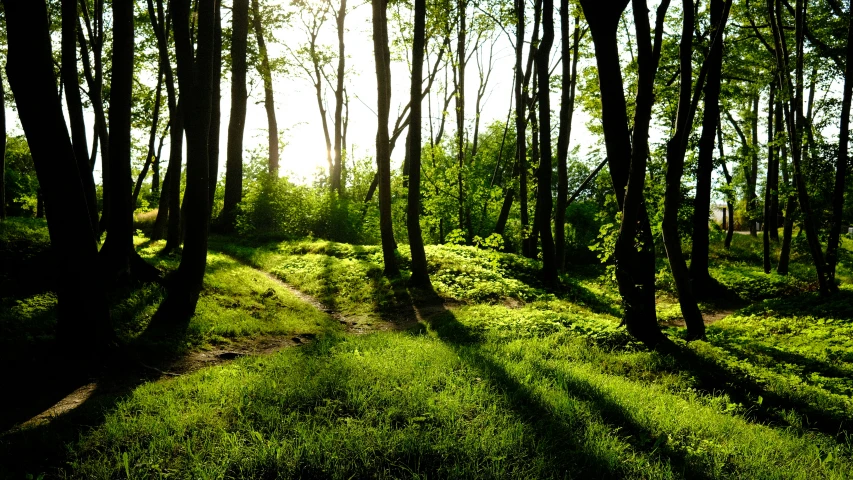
[512, 381]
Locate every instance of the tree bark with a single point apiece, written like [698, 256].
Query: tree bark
[635, 271]
[269, 101]
[215, 109]
[75, 106]
[195, 77]
[383, 147]
[730, 207]
[768, 185]
[119, 243]
[842, 162]
[2, 150]
[752, 183]
[794, 125]
[420, 277]
[83, 316]
[567, 107]
[790, 211]
[710, 118]
[337, 184]
[544, 201]
[237, 123]
[459, 76]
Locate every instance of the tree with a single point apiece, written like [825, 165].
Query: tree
[419, 277]
[635, 270]
[383, 148]
[75, 105]
[83, 317]
[567, 107]
[119, 243]
[195, 77]
[339, 145]
[237, 123]
[795, 123]
[842, 162]
[544, 200]
[2, 150]
[710, 119]
[265, 71]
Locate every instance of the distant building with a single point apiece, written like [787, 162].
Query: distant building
[720, 215]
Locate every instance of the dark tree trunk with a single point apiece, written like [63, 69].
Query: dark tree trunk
[675, 150]
[337, 184]
[383, 146]
[544, 201]
[461, 6]
[730, 207]
[532, 239]
[170, 194]
[75, 105]
[752, 182]
[635, 271]
[567, 107]
[83, 315]
[773, 177]
[419, 277]
[768, 218]
[790, 211]
[795, 126]
[269, 102]
[710, 118]
[195, 78]
[119, 243]
[215, 110]
[95, 81]
[521, 110]
[237, 123]
[2, 151]
[842, 162]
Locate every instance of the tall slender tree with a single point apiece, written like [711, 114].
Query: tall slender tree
[75, 105]
[265, 71]
[843, 160]
[544, 201]
[237, 122]
[195, 77]
[710, 119]
[83, 316]
[419, 277]
[119, 243]
[383, 149]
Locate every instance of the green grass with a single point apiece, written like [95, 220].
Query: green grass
[509, 380]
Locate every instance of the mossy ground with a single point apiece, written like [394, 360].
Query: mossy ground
[503, 379]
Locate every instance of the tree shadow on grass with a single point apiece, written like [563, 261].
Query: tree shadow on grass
[561, 439]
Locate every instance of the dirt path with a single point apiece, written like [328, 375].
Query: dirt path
[710, 317]
[141, 372]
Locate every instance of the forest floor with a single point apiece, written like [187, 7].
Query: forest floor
[493, 375]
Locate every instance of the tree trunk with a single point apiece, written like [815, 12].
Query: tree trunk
[269, 102]
[842, 162]
[83, 316]
[773, 177]
[461, 6]
[3, 151]
[215, 110]
[119, 243]
[794, 124]
[75, 106]
[195, 78]
[567, 107]
[337, 184]
[383, 147]
[710, 118]
[544, 201]
[730, 207]
[237, 123]
[533, 235]
[768, 219]
[790, 211]
[420, 277]
[635, 271]
[752, 204]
